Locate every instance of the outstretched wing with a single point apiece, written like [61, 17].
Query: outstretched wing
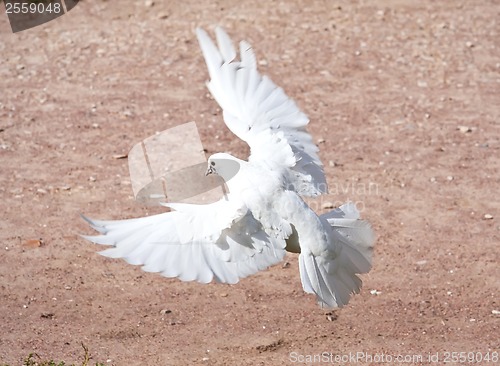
[220, 241]
[260, 113]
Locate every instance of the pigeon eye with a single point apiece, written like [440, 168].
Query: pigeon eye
[212, 163]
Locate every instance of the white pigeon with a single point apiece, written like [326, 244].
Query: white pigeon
[264, 215]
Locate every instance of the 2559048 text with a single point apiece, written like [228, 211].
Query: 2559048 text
[33, 8]
[468, 357]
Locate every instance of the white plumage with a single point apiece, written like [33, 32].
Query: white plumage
[264, 215]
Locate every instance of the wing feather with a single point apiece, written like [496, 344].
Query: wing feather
[252, 104]
[221, 241]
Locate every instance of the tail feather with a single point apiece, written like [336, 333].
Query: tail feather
[332, 276]
[355, 237]
[331, 290]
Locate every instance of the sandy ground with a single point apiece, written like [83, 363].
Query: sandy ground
[403, 98]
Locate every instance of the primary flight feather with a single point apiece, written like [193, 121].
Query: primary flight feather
[264, 215]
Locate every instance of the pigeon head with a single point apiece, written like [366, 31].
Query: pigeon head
[224, 165]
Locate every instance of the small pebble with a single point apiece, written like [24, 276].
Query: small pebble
[16, 191]
[331, 317]
[464, 129]
[33, 243]
[327, 205]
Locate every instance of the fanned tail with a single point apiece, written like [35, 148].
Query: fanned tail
[333, 277]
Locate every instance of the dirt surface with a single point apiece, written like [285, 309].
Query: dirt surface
[403, 98]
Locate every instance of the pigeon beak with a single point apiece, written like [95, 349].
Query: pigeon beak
[210, 170]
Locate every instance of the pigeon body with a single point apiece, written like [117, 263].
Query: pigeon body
[264, 214]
